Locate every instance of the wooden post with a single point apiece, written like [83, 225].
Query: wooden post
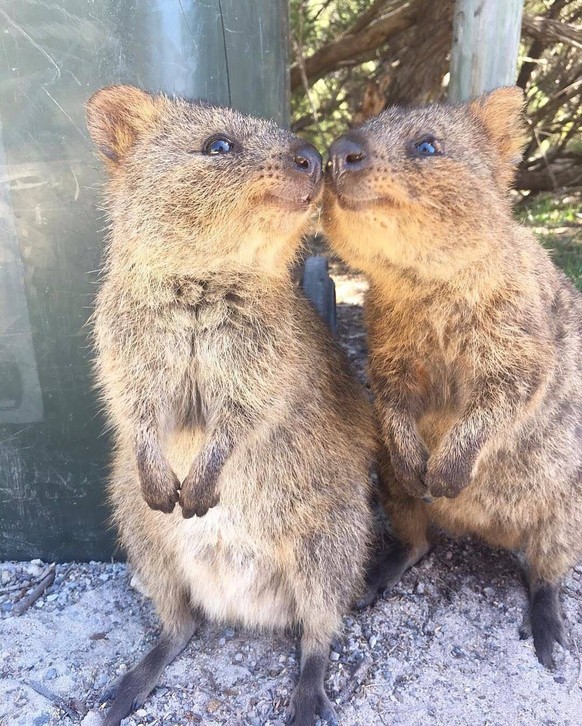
[486, 37]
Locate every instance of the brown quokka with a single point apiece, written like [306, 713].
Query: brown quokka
[226, 392]
[475, 341]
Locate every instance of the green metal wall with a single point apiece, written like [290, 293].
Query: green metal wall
[53, 450]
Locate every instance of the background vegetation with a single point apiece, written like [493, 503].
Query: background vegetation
[352, 58]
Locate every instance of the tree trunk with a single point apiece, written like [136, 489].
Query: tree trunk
[485, 45]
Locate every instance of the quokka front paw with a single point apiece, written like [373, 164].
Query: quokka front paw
[198, 494]
[410, 471]
[159, 486]
[448, 476]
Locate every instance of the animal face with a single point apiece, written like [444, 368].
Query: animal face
[201, 183]
[413, 187]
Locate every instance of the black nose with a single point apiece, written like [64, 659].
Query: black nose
[307, 159]
[346, 154]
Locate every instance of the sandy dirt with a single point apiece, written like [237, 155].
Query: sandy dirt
[441, 648]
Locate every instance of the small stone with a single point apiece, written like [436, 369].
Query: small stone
[334, 656]
[428, 628]
[212, 706]
[41, 720]
[5, 577]
[34, 569]
[52, 597]
[458, 652]
[6, 607]
[137, 585]
[419, 588]
[229, 633]
[373, 640]
[141, 712]
[92, 719]
[238, 657]
[222, 641]
[100, 682]
[560, 679]
[51, 674]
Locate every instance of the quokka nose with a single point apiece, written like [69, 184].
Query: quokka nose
[307, 159]
[346, 154]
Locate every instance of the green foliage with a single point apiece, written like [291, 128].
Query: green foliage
[313, 24]
[557, 223]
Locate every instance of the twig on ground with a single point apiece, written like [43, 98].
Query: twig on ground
[576, 680]
[54, 698]
[63, 576]
[12, 588]
[356, 681]
[24, 589]
[36, 592]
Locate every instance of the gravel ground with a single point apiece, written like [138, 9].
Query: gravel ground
[440, 648]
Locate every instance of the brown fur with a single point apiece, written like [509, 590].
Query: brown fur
[223, 386]
[475, 336]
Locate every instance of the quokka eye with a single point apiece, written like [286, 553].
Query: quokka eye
[428, 146]
[218, 146]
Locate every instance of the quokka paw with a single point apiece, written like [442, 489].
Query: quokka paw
[547, 626]
[447, 478]
[196, 500]
[160, 492]
[306, 704]
[411, 476]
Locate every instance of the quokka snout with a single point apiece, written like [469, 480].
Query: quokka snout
[475, 341]
[240, 482]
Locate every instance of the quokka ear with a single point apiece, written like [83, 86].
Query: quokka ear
[116, 117]
[501, 114]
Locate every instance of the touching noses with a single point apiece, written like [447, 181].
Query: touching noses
[307, 159]
[346, 154]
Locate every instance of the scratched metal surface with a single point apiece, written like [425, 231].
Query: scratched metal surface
[53, 453]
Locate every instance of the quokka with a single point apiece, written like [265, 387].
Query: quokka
[240, 483]
[475, 341]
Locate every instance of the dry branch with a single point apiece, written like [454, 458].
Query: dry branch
[551, 31]
[375, 27]
[549, 179]
[36, 592]
[351, 45]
